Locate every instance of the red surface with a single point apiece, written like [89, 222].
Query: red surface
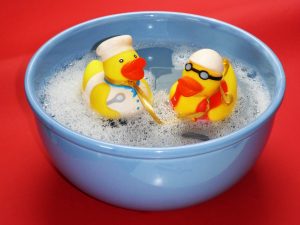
[33, 192]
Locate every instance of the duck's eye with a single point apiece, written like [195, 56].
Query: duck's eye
[121, 60]
[135, 56]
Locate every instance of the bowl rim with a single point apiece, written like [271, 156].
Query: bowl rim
[156, 152]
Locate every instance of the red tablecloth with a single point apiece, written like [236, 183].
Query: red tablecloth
[33, 192]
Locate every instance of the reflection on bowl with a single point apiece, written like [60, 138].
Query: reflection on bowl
[155, 178]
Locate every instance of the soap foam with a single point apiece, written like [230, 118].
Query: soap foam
[181, 55]
[62, 99]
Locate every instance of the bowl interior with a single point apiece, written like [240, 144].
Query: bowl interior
[156, 28]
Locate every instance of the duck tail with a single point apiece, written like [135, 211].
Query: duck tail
[94, 67]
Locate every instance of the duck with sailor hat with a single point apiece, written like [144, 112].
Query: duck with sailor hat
[207, 89]
[115, 86]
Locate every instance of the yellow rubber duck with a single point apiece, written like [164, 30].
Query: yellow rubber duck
[102, 83]
[207, 89]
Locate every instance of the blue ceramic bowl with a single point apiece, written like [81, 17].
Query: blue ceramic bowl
[155, 178]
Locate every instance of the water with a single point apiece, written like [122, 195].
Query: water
[62, 99]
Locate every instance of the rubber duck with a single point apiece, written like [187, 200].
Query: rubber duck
[106, 82]
[207, 89]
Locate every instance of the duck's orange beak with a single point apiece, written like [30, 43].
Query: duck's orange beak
[134, 70]
[187, 86]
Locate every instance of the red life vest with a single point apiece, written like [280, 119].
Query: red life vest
[214, 101]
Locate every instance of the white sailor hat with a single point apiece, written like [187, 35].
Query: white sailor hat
[114, 46]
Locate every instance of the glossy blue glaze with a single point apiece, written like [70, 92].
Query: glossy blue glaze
[155, 178]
